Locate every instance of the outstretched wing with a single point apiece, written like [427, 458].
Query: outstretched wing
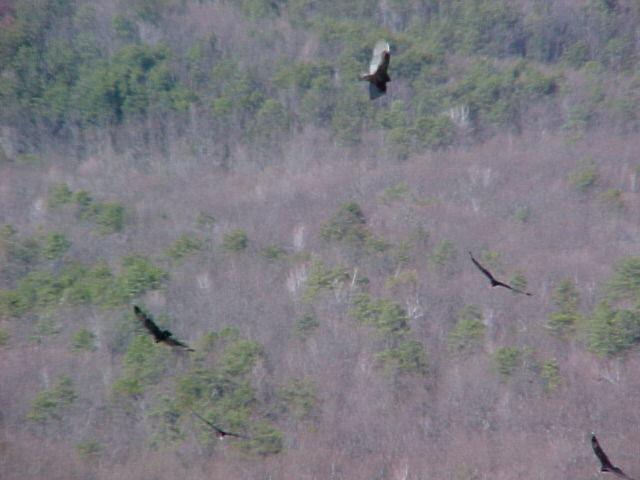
[148, 323]
[376, 59]
[605, 463]
[219, 432]
[175, 343]
[500, 284]
[486, 272]
[231, 434]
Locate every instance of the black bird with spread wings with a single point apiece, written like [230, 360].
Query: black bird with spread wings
[378, 76]
[605, 463]
[219, 432]
[494, 282]
[158, 334]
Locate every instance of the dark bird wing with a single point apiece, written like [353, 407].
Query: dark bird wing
[605, 463]
[216, 429]
[149, 324]
[219, 432]
[230, 434]
[175, 343]
[486, 272]
[500, 284]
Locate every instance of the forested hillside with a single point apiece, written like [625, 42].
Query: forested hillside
[218, 164]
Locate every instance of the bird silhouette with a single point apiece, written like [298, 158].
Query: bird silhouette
[605, 463]
[219, 432]
[494, 282]
[164, 336]
[378, 76]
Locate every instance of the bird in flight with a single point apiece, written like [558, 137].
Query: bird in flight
[219, 432]
[605, 463]
[159, 335]
[378, 76]
[494, 282]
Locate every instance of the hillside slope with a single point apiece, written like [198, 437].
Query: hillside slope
[312, 245]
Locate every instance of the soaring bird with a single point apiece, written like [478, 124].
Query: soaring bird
[158, 334]
[605, 463]
[494, 282]
[378, 76]
[219, 432]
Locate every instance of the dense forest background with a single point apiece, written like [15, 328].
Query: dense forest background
[219, 164]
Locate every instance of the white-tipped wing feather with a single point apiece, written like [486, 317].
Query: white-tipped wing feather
[381, 46]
